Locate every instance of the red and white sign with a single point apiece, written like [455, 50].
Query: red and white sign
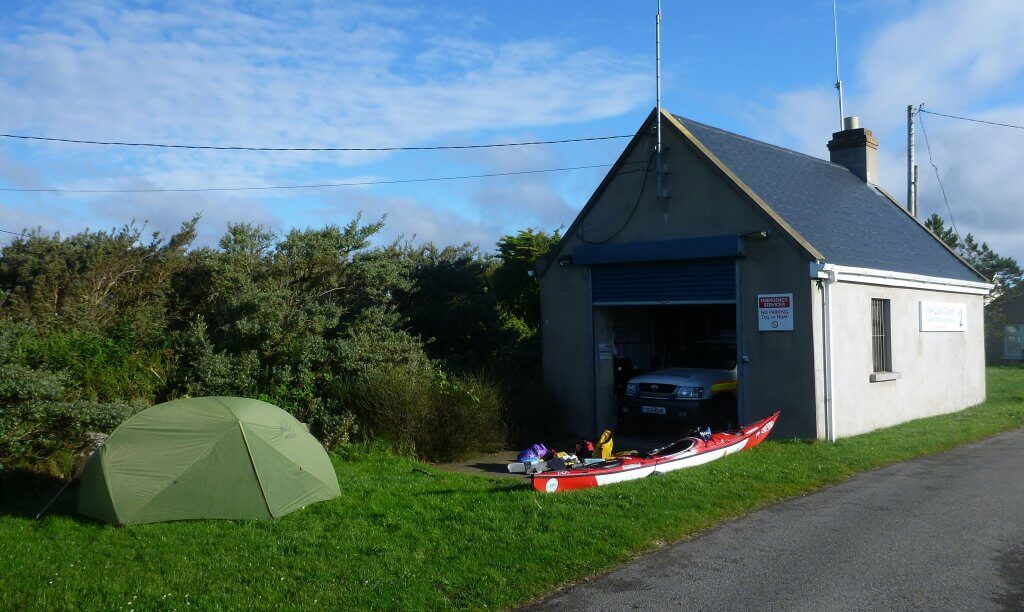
[775, 312]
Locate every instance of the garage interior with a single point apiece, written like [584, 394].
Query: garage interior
[645, 313]
[652, 337]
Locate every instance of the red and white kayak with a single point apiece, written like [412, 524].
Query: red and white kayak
[687, 452]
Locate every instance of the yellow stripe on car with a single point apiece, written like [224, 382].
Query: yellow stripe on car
[728, 385]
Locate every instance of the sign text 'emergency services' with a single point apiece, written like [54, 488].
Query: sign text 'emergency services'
[775, 312]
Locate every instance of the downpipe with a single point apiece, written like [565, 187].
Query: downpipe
[826, 323]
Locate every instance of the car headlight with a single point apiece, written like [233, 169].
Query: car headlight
[631, 388]
[689, 392]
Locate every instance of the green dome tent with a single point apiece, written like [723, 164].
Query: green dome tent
[206, 458]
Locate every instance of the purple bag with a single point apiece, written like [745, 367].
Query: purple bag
[537, 451]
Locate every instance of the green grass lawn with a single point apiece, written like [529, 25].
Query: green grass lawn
[400, 539]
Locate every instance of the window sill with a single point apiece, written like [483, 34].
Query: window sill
[884, 376]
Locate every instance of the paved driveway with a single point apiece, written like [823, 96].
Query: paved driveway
[943, 532]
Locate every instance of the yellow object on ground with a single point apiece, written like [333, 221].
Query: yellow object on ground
[604, 445]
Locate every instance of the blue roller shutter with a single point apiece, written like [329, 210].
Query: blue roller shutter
[664, 282]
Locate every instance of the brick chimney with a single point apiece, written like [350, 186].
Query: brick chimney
[857, 149]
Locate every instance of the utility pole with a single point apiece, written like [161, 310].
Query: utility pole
[911, 166]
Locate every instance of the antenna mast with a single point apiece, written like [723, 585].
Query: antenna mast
[839, 82]
[657, 146]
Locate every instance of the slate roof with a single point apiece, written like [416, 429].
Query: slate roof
[850, 222]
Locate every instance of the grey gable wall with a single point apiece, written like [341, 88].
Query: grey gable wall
[847, 220]
[703, 203]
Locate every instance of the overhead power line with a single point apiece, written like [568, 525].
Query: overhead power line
[299, 149]
[952, 221]
[1008, 125]
[14, 233]
[307, 186]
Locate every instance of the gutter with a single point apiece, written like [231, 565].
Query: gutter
[888, 278]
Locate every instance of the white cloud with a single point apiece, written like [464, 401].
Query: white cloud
[957, 56]
[351, 74]
[217, 76]
[409, 219]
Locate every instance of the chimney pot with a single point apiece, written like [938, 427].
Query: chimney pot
[851, 123]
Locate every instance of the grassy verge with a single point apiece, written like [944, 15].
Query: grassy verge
[400, 539]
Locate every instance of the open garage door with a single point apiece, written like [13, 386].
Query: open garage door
[664, 282]
[650, 317]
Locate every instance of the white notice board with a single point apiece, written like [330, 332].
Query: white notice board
[775, 312]
[943, 317]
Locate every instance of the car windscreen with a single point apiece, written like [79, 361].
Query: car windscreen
[709, 355]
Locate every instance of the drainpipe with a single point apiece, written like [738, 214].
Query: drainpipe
[826, 323]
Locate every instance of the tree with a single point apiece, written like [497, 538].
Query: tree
[450, 304]
[516, 290]
[1003, 272]
[947, 234]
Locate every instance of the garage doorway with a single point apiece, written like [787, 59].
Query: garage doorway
[639, 339]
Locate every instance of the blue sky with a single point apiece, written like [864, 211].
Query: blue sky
[420, 73]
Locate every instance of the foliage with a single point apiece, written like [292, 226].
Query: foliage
[514, 286]
[450, 304]
[401, 539]
[38, 429]
[99, 367]
[532, 411]
[441, 417]
[93, 281]
[1003, 272]
[292, 319]
[937, 225]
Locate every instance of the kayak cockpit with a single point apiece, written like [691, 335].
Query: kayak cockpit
[679, 446]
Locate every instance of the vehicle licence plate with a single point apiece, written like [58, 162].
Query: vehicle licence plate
[652, 409]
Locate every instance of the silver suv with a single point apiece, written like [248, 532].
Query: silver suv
[700, 389]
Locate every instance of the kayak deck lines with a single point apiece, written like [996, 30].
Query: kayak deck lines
[685, 452]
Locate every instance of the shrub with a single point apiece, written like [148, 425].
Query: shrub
[38, 430]
[465, 418]
[438, 418]
[333, 426]
[98, 367]
[531, 412]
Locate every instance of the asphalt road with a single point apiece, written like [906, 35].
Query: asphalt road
[943, 532]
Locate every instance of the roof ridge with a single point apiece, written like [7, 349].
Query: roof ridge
[759, 142]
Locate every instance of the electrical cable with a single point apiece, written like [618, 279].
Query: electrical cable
[307, 149]
[14, 233]
[1008, 125]
[636, 204]
[309, 186]
[942, 188]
